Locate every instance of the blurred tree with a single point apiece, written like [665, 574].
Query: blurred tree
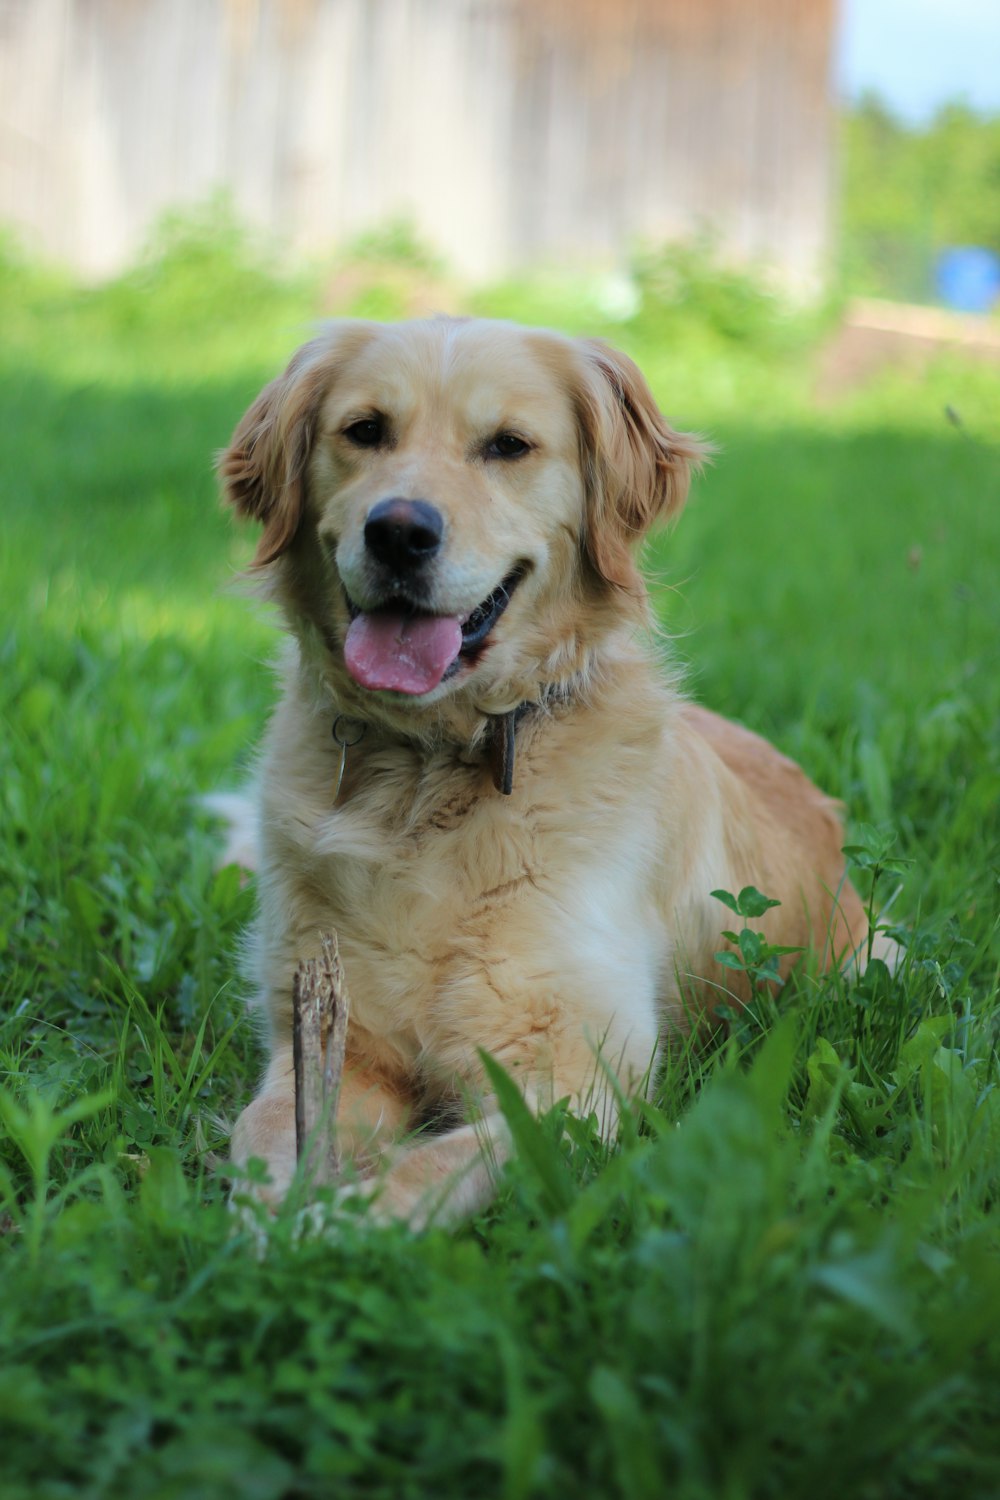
[909, 193]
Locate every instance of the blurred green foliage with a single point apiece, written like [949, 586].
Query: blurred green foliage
[909, 192]
[684, 288]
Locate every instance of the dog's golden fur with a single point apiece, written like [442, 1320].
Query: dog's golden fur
[575, 916]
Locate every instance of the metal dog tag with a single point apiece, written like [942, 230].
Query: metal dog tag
[346, 738]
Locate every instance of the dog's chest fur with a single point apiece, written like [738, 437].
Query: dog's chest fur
[411, 867]
[432, 879]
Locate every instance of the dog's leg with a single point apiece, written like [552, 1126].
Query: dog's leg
[370, 1115]
[443, 1180]
[449, 1177]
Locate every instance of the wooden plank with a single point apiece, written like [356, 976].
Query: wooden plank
[510, 131]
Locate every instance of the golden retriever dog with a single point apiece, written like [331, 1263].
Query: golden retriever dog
[476, 774]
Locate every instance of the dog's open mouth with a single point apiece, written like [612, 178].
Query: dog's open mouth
[402, 649]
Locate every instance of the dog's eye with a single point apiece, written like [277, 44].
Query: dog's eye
[507, 445]
[367, 433]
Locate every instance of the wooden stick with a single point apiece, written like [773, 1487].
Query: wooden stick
[320, 1009]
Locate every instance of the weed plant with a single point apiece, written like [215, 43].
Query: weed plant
[784, 1279]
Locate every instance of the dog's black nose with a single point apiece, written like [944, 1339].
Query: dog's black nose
[403, 533]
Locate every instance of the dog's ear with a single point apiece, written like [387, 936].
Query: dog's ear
[263, 469]
[637, 469]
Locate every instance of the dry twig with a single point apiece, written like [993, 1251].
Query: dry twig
[320, 1008]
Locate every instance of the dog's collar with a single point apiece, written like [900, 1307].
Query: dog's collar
[500, 744]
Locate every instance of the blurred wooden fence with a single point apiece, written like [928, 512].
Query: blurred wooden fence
[508, 131]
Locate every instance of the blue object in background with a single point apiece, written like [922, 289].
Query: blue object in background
[968, 278]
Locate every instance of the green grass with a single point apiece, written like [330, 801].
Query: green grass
[785, 1281]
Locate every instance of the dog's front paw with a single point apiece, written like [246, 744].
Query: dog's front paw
[395, 1196]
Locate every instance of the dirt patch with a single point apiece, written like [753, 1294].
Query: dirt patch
[877, 334]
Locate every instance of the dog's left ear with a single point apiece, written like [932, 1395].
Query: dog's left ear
[637, 468]
[263, 469]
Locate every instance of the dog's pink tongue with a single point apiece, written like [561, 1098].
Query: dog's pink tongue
[408, 653]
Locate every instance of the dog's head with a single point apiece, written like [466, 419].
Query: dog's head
[455, 504]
